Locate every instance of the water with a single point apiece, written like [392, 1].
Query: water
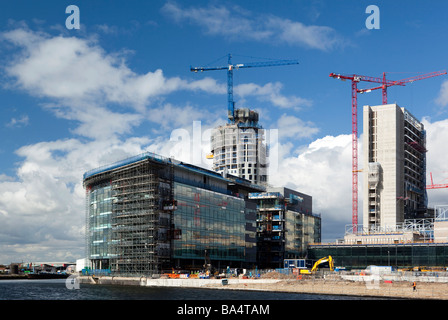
[56, 289]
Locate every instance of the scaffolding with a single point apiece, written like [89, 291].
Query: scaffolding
[441, 212]
[140, 245]
[415, 225]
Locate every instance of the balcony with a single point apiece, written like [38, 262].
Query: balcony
[270, 207]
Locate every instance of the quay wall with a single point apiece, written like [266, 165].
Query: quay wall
[187, 283]
[398, 288]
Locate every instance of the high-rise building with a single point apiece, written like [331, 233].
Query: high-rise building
[394, 151]
[239, 148]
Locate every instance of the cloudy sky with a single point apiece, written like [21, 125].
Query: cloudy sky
[75, 99]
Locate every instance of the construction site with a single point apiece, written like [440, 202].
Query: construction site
[150, 215]
[399, 229]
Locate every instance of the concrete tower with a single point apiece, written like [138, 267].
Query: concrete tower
[240, 149]
[394, 167]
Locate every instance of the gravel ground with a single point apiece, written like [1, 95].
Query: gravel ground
[390, 289]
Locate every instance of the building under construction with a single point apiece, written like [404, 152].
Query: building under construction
[394, 166]
[395, 199]
[239, 148]
[398, 228]
[286, 225]
[147, 214]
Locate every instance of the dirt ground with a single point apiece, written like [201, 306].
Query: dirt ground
[380, 289]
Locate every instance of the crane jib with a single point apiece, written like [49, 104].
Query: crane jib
[230, 67]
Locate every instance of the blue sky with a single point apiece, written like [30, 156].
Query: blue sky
[73, 100]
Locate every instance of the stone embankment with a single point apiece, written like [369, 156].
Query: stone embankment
[379, 287]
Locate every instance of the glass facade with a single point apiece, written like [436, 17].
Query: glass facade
[395, 255]
[285, 226]
[99, 204]
[294, 244]
[215, 222]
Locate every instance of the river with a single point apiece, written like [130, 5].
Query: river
[56, 289]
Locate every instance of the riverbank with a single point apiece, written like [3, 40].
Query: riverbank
[12, 276]
[33, 276]
[334, 286]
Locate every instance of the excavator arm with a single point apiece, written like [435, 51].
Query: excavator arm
[328, 259]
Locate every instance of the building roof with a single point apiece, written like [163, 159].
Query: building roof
[168, 161]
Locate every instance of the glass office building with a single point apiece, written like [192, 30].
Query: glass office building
[148, 214]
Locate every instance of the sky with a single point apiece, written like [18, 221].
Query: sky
[73, 99]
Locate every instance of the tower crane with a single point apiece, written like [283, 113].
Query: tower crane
[355, 79]
[436, 186]
[230, 68]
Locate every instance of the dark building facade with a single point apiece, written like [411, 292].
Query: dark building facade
[286, 225]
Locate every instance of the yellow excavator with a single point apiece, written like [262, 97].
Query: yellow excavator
[328, 259]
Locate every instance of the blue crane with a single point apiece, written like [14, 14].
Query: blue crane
[230, 67]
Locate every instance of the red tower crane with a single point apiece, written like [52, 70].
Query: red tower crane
[436, 186]
[384, 85]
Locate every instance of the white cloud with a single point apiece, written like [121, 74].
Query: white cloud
[184, 115]
[271, 92]
[442, 99]
[79, 70]
[23, 121]
[436, 144]
[296, 33]
[238, 24]
[219, 20]
[293, 127]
